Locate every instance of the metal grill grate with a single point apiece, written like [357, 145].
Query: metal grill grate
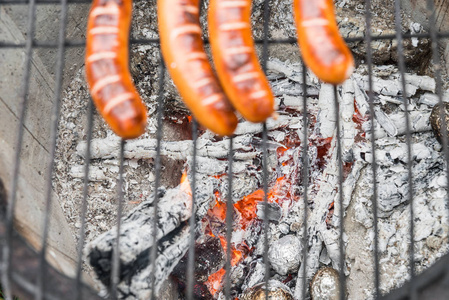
[42, 281]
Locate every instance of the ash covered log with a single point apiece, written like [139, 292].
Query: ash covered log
[136, 239]
[244, 144]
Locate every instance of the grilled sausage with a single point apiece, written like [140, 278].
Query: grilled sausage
[322, 48]
[235, 59]
[107, 69]
[189, 67]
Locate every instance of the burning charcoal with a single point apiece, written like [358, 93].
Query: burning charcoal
[325, 285]
[201, 292]
[284, 254]
[209, 258]
[276, 291]
[436, 121]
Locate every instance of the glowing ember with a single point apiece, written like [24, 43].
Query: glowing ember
[247, 207]
[322, 146]
[236, 255]
[358, 119]
[215, 281]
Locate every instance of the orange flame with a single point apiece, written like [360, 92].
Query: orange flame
[185, 184]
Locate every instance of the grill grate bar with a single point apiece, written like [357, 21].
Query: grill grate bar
[408, 138]
[369, 61]
[266, 225]
[6, 259]
[82, 43]
[157, 167]
[229, 221]
[192, 219]
[342, 278]
[437, 62]
[82, 234]
[115, 272]
[305, 181]
[53, 138]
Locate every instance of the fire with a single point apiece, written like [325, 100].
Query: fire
[245, 212]
[247, 207]
[185, 184]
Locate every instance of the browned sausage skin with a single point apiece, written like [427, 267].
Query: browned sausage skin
[235, 59]
[189, 67]
[322, 48]
[107, 70]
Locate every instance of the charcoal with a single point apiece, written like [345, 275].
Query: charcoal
[209, 258]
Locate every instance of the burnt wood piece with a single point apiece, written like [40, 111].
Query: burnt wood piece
[25, 267]
[209, 258]
[136, 240]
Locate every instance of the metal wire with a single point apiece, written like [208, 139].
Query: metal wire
[192, 219]
[62, 43]
[305, 181]
[115, 271]
[82, 233]
[157, 168]
[229, 219]
[6, 259]
[438, 88]
[408, 139]
[53, 139]
[266, 227]
[342, 278]
[79, 44]
[369, 62]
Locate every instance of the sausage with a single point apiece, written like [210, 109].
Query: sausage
[235, 59]
[189, 67]
[322, 48]
[107, 71]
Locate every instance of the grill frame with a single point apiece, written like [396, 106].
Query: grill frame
[12, 280]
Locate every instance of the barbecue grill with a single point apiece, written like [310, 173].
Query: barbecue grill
[28, 273]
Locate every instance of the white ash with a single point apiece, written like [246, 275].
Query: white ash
[284, 254]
